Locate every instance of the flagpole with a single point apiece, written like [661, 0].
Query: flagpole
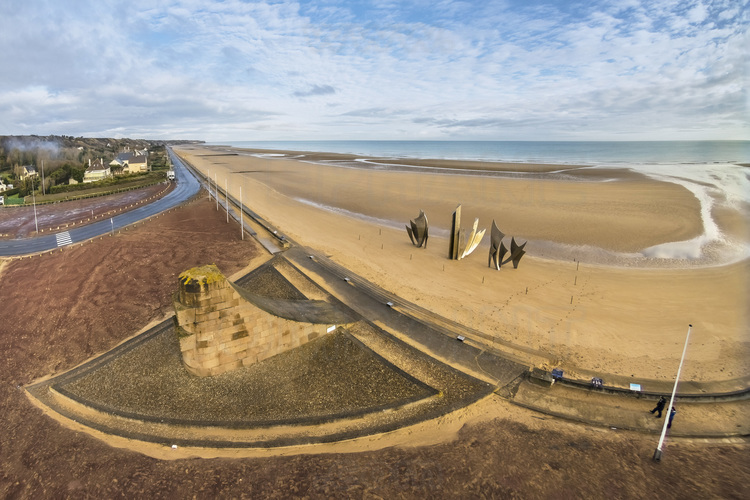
[657, 453]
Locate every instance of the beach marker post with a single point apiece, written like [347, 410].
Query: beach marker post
[657, 452]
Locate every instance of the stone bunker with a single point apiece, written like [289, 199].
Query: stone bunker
[223, 326]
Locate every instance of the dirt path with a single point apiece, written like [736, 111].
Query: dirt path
[59, 309]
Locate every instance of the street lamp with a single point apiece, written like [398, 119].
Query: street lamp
[33, 199]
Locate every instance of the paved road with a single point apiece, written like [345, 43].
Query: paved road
[187, 186]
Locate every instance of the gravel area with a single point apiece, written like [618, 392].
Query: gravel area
[269, 282]
[329, 377]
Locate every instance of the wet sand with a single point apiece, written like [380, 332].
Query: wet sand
[592, 316]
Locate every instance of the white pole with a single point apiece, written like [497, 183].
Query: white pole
[33, 199]
[112, 221]
[242, 219]
[216, 189]
[657, 453]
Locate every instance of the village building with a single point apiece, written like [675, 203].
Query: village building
[136, 164]
[29, 171]
[130, 162]
[96, 171]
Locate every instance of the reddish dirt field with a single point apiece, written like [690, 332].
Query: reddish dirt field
[61, 308]
[18, 222]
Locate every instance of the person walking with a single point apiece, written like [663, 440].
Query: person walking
[659, 406]
[672, 413]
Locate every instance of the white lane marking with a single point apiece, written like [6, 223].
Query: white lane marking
[63, 239]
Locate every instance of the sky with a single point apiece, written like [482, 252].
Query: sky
[238, 70]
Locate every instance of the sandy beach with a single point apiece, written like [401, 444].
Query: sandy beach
[609, 311]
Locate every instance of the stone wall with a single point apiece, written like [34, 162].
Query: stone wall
[220, 331]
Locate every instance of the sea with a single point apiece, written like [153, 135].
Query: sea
[716, 172]
[613, 153]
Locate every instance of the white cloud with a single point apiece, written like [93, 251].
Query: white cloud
[378, 70]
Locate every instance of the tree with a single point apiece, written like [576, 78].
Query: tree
[77, 173]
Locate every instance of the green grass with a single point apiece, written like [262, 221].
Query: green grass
[13, 200]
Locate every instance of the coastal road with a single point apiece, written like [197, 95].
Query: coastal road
[187, 186]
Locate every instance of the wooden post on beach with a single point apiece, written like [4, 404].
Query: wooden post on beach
[575, 281]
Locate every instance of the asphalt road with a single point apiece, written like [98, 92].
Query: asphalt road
[187, 186]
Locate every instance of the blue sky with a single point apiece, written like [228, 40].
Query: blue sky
[382, 69]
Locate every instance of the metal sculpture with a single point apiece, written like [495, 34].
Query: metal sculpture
[516, 252]
[455, 234]
[498, 250]
[419, 230]
[472, 242]
[460, 244]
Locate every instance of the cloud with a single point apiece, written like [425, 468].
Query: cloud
[233, 70]
[316, 90]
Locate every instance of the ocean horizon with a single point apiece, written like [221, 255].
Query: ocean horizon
[605, 153]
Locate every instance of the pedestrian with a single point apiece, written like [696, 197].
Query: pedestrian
[659, 406]
[672, 413]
